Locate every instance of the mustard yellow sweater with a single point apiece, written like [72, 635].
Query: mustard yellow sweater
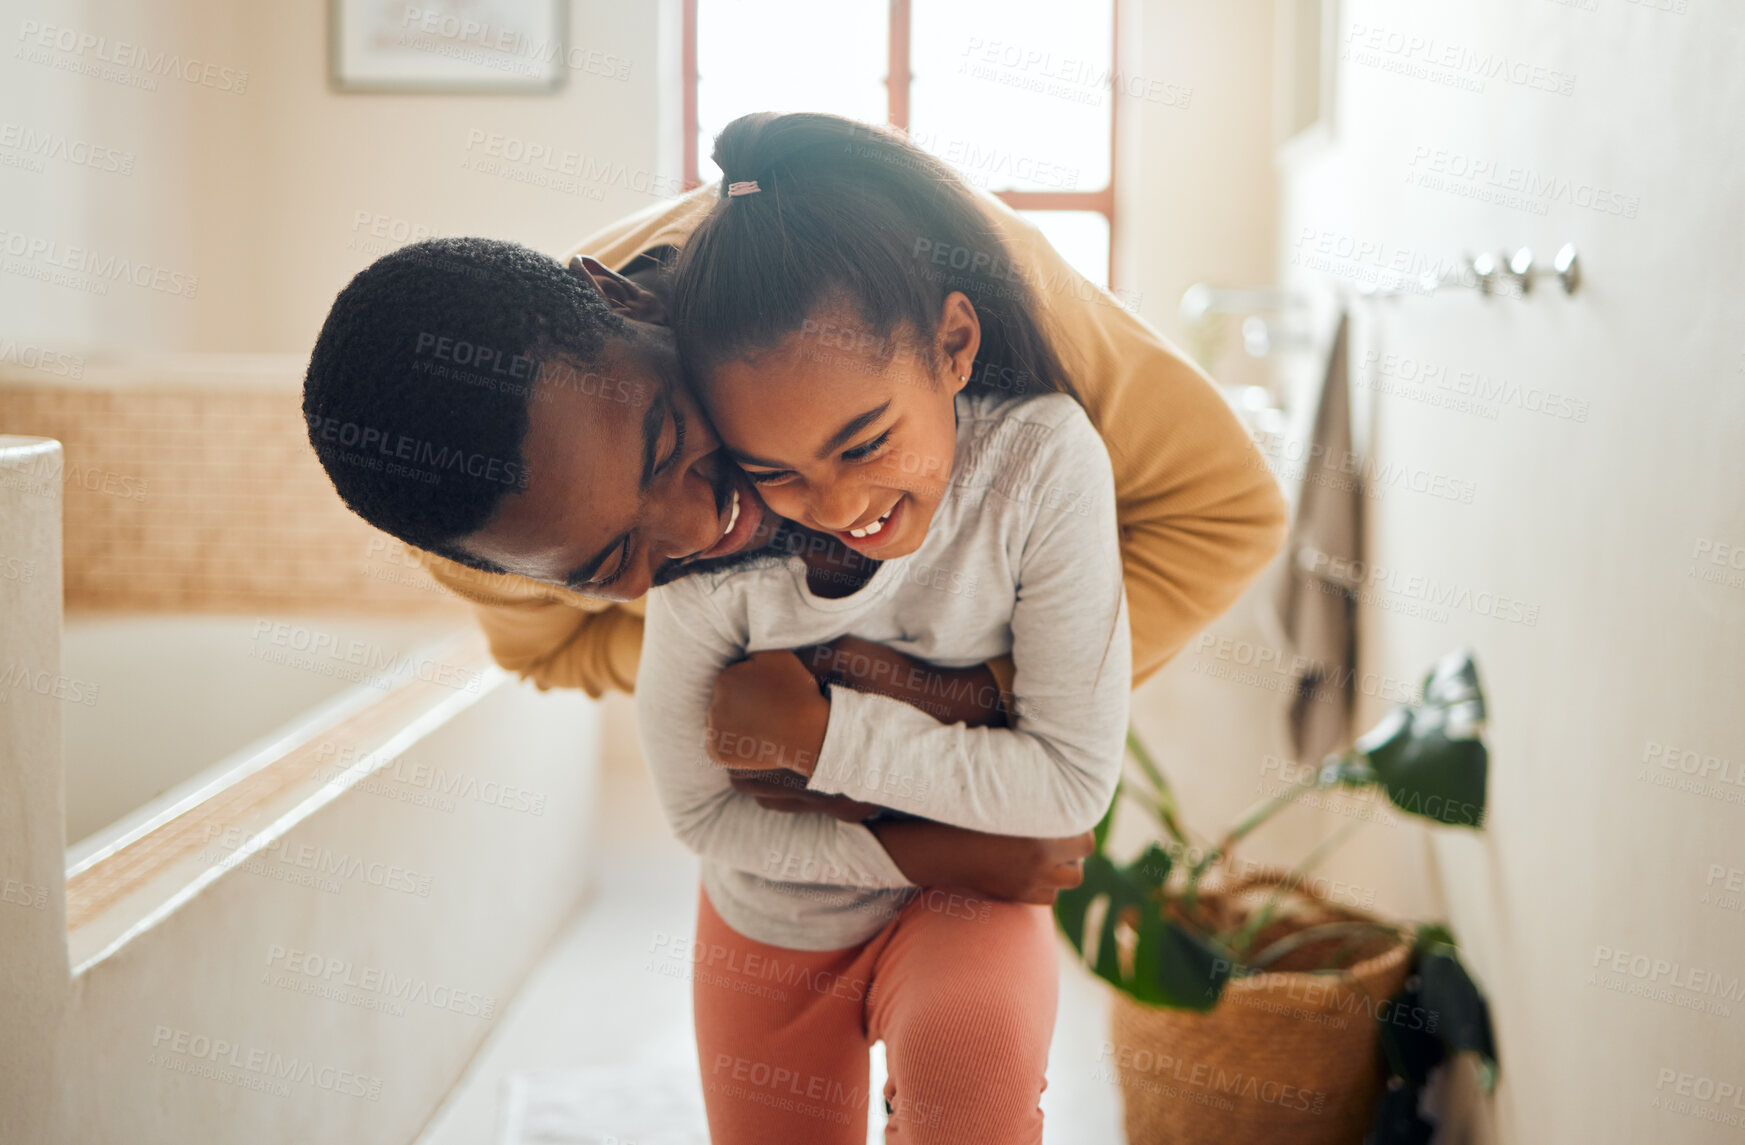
[1200, 514]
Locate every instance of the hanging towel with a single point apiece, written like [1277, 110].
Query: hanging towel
[1316, 596]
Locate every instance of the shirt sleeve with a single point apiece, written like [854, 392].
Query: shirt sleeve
[551, 636]
[687, 646]
[1054, 771]
[1201, 514]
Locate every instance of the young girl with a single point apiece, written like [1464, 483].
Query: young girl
[871, 357]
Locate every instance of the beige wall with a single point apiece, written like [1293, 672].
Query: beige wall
[1197, 192]
[1603, 521]
[258, 194]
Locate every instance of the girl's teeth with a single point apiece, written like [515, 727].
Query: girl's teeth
[733, 513]
[875, 527]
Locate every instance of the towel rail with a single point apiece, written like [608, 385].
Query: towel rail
[1492, 275]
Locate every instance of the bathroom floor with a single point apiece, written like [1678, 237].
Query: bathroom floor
[597, 1001]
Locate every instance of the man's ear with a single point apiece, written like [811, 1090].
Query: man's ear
[624, 296]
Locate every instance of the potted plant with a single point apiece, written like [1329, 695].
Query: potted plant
[1248, 1007]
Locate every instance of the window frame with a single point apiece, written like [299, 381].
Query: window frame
[898, 81]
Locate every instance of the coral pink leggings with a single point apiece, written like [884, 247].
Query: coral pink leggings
[961, 989]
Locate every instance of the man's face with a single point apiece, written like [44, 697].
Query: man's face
[627, 485]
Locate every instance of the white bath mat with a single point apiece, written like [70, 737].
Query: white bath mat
[650, 1105]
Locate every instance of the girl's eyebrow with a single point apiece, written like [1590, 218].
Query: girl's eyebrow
[841, 437]
[855, 425]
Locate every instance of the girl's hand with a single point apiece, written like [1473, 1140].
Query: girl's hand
[767, 712]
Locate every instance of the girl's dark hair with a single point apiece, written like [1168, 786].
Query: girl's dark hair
[848, 212]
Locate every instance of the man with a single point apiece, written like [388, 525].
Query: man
[526, 425]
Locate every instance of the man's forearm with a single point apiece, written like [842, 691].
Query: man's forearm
[1004, 867]
[969, 696]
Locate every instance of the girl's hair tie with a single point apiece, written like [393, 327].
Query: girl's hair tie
[749, 187]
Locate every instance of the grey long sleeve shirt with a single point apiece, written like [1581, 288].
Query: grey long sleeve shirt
[1022, 557]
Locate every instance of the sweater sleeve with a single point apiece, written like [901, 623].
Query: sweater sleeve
[551, 636]
[1054, 771]
[1201, 514]
[687, 646]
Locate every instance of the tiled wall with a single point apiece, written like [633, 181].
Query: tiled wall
[207, 498]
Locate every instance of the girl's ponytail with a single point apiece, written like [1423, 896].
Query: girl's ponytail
[818, 210]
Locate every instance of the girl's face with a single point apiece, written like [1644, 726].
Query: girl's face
[847, 433]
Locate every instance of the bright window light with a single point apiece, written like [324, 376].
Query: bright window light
[1014, 93]
[788, 55]
[1081, 237]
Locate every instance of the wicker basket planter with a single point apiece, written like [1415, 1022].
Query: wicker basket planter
[1285, 1058]
[1249, 1010]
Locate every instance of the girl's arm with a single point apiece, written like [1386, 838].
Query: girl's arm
[685, 649]
[1054, 771]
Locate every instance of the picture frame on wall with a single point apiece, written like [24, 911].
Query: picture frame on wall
[447, 46]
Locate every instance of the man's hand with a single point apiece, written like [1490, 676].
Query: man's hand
[999, 866]
[969, 696]
[783, 790]
[767, 712]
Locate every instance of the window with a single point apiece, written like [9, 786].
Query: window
[1015, 94]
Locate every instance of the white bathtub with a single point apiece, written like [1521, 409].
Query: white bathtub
[162, 705]
[313, 861]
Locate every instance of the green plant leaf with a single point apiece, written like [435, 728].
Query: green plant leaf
[1177, 968]
[1071, 907]
[1171, 965]
[1100, 833]
[1431, 759]
[1151, 868]
[1426, 773]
